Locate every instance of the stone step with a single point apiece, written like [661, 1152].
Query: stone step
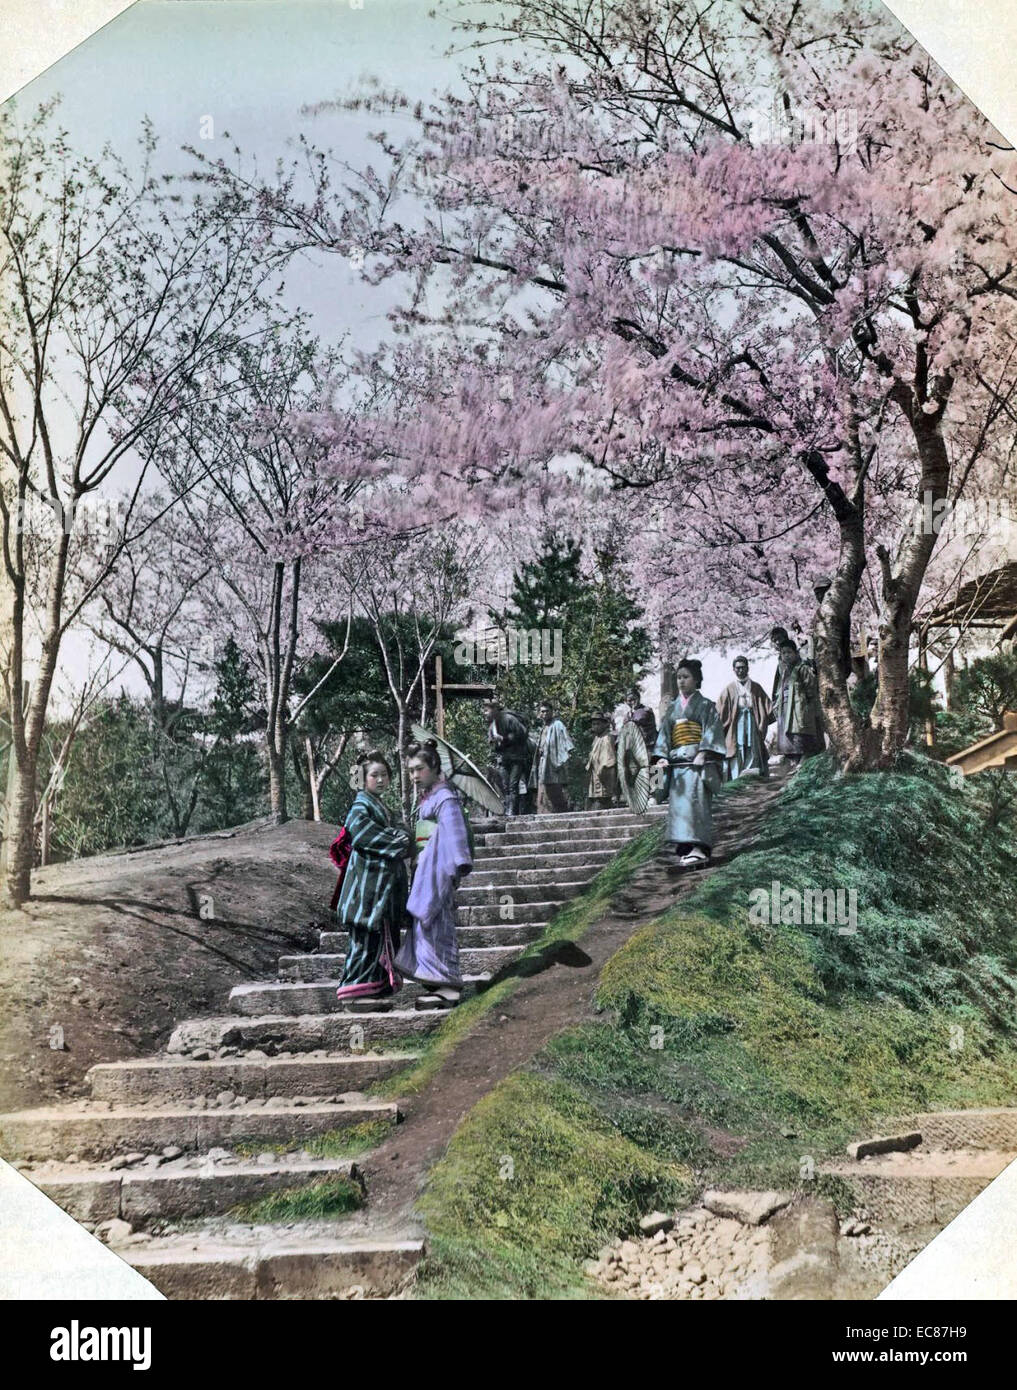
[94, 1130]
[617, 815]
[541, 858]
[276, 1269]
[306, 1033]
[994, 1128]
[483, 960]
[175, 1078]
[554, 841]
[546, 873]
[918, 1188]
[317, 997]
[175, 1191]
[493, 896]
[498, 934]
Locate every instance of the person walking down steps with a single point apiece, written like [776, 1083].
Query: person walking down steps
[692, 745]
[371, 902]
[430, 951]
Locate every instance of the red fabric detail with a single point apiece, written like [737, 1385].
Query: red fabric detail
[339, 852]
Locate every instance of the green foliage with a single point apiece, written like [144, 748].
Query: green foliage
[109, 796]
[232, 776]
[988, 687]
[959, 729]
[921, 700]
[604, 649]
[536, 1173]
[348, 1142]
[727, 1048]
[132, 778]
[357, 698]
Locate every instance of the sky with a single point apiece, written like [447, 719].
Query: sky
[251, 66]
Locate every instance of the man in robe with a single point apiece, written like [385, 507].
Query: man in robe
[744, 709]
[643, 718]
[602, 765]
[796, 707]
[508, 736]
[550, 762]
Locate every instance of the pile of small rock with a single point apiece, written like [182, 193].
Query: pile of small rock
[717, 1250]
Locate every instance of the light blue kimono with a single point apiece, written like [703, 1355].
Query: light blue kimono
[683, 733]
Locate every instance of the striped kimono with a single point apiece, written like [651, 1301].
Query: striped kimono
[372, 901]
[686, 730]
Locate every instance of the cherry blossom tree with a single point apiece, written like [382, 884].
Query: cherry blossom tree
[755, 266]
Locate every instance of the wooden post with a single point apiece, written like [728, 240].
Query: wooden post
[44, 833]
[923, 662]
[668, 684]
[312, 778]
[949, 673]
[439, 700]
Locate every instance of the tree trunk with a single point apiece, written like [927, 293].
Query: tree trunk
[891, 713]
[20, 832]
[276, 778]
[861, 747]
[831, 627]
[405, 790]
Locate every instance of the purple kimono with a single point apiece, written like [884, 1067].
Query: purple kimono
[430, 950]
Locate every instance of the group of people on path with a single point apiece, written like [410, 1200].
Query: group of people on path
[399, 931]
[702, 743]
[537, 767]
[524, 765]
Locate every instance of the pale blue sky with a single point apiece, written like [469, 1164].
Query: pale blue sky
[251, 65]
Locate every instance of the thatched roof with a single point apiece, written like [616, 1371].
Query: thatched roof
[989, 600]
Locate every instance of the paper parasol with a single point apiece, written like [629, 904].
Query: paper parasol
[634, 767]
[463, 773]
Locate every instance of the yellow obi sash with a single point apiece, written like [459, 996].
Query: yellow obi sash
[685, 732]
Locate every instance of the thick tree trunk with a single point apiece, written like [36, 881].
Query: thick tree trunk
[831, 633]
[861, 747]
[899, 592]
[20, 834]
[276, 780]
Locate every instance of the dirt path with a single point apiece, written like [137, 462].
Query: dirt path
[558, 996]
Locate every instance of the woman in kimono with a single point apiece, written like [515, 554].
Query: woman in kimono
[691, 743]
[372, 900]
[430, 950]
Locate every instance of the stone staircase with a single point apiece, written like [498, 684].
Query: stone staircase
[233, 1110]
[925, 1186]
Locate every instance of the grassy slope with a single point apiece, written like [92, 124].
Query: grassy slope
[568, 924]
[743, 1054]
